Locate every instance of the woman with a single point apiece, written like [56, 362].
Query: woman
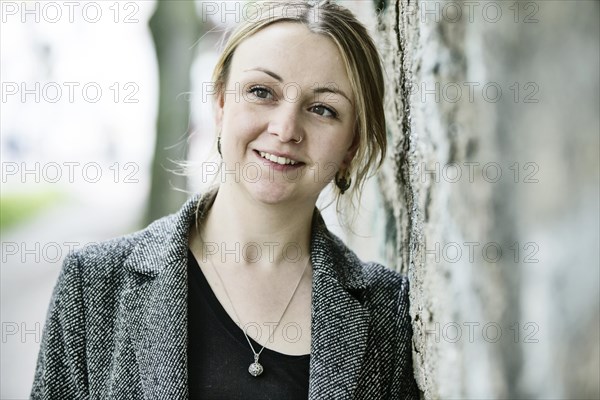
[244, 293]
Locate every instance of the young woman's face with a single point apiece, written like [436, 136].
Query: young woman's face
[286, 84]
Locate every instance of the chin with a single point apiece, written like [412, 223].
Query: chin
[270, 193]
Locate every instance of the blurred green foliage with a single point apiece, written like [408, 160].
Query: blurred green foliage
[17, 208]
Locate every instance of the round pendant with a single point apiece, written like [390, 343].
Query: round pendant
[255, 369]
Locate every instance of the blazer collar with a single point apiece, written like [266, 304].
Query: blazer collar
[166, 241]
[155, 306]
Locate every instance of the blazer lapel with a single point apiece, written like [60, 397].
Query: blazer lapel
[155, 305]
[340, 322]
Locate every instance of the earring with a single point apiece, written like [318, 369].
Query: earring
[219, 146]
[342, 183]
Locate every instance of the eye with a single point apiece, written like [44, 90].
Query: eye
[260, 92]
[324, 111]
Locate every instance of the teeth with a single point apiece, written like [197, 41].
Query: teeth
[278, 160]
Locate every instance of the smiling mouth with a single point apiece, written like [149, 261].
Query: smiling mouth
[276, 159]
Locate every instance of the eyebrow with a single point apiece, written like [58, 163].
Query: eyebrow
[266, 71]
[324, 89]
[327, 89]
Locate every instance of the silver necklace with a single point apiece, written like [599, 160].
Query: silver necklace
[256, 368]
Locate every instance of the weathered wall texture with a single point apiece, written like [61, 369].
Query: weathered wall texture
[503, 268]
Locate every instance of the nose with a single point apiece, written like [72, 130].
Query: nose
[286, 123]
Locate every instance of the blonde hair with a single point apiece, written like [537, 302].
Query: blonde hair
[362, 63]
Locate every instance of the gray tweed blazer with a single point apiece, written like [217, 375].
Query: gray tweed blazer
[117, 323]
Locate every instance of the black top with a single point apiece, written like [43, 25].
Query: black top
[219, 354]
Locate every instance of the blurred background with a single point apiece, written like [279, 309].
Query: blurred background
[488, 199]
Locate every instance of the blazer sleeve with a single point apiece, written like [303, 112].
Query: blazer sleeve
[61, 371]
[404, 385]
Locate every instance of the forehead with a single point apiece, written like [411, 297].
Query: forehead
[294, 53]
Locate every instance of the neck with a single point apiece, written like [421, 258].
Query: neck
[242, 230]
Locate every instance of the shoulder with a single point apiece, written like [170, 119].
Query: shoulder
[148, 251]
[381, 284]
[121, 246]
[378, 276]
[109, 256]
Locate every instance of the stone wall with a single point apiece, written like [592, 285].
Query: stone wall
[491, 192]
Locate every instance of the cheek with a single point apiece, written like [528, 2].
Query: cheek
[239, 121]
[328, 157]
[333, 145]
